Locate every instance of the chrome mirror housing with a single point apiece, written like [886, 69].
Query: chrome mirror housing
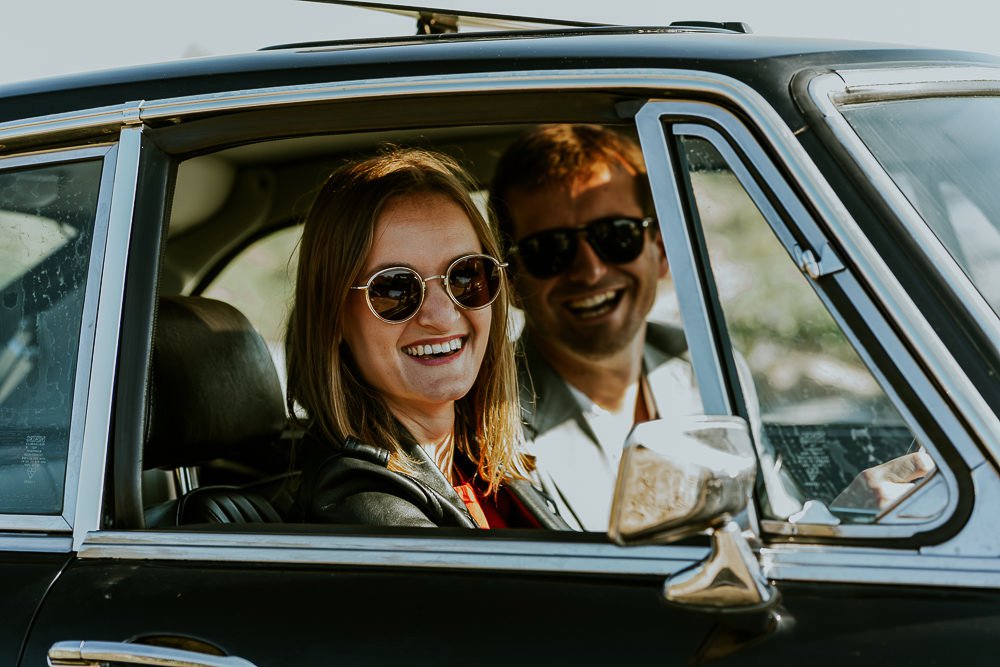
[687, 476]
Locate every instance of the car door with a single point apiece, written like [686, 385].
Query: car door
[769, 280]
[296, 594]
[54, 209]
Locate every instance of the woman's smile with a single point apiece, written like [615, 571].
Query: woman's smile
[436, 352]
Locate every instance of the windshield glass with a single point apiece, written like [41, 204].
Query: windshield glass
[943, 155]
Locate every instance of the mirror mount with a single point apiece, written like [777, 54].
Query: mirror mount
[687, 476]
[729, 579]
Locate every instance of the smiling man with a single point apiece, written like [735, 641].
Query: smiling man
[574, 204]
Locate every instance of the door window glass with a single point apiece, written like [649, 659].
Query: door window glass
[46, 224]
[822, 422]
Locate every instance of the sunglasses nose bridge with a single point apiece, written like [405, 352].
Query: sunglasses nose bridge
[438, 308]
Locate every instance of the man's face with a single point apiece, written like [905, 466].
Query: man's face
[595, 308]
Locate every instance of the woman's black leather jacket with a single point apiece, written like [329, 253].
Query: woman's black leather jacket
[353, 485]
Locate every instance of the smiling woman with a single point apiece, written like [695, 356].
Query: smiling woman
[397, 351]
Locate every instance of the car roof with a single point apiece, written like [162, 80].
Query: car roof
[766, 63]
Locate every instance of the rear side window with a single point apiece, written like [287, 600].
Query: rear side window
[47, 217]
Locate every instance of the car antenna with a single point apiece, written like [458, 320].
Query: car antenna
[433, 21]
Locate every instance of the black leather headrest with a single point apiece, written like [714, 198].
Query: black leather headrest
[213, 388]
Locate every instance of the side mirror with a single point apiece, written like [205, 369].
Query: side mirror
[686, 476]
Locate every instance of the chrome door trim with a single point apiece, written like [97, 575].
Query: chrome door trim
[63, 522]
[854, 565]
[36, 543]
[107, 327]
[527, 555]
[828, 92]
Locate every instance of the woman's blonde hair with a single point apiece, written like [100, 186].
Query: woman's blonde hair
[323, 378]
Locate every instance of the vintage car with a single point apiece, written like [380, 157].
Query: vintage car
[830, 213]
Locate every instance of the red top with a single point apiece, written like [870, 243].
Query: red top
[499, 510]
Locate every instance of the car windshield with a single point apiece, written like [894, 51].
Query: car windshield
[944, 156]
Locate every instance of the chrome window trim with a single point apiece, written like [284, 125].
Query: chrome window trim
[63, 522]
[867, 85]
[526, 555]
[828, 92]
[694, 114]
[36, 543]
[110, 118]
[107, 328]
[792, 157]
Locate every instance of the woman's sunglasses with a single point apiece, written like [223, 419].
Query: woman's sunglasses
[615, 240]
[395, 294]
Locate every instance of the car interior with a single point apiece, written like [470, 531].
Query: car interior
[233, 461]
[243, 184]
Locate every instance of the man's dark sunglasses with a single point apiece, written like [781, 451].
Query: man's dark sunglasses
[615, 240]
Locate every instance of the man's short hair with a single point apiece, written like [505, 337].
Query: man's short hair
[558, 154]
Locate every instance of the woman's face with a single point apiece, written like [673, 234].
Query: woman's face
[425, 232]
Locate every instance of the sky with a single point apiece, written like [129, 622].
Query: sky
[51, 37]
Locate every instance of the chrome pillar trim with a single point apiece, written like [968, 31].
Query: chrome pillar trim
[87, 653]
[106, 332]
[392, 551]
[798, 562]
[702, 342]
[64, 522]
[730, 578]
[979, 537]
[88, 328]
[824, 91]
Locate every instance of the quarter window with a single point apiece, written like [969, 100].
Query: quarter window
[821, 419]
[47, 217]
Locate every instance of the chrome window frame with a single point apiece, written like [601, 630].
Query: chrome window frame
[724, 130]
[87, 352]
[492, 554]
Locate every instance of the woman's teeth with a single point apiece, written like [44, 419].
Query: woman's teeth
[446, 347]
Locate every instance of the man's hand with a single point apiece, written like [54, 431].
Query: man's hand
[880, 486]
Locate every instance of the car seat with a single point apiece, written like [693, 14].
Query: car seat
[214, 393]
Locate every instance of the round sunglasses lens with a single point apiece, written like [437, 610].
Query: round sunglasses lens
[547, 254]
[395, 294]
[474, 281]
[618, 241]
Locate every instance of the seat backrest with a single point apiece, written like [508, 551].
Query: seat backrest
[214, 388]
[214, 391]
